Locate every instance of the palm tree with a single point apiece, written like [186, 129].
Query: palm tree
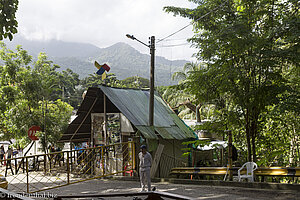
[182, 96]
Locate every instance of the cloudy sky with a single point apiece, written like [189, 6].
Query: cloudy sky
[106, 22]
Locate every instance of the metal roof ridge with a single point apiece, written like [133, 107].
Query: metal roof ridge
[143, 89]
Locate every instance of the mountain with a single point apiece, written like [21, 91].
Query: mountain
[53, 48]
[124, 60]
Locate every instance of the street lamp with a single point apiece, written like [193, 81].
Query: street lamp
[152, 53]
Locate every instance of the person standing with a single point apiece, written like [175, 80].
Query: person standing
[2, 152]
[9, 153]
[145, 166]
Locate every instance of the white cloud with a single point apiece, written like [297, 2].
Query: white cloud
[105, 22]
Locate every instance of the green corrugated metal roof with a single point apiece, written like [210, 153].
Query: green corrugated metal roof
[134, 104]
[183, 127]
[147, 131]
[177, 133]
[164, 133]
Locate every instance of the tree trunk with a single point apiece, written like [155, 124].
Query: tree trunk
[298, 150]
[253, 150]
[292, 147]
[248, 136]
[198, 116]
[253, 135]
[189, 104]
[192, 107]
[254, 130]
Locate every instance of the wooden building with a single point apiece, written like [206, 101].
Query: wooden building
[111, 115]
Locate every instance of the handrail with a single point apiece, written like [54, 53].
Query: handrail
[56, 152]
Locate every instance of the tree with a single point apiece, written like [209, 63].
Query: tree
[8, 22]
[189, 100]
[69, 88]
[94, 80]
[135, 82]
[54, 119]
[29, 97]
[11, 74]
[246, 46]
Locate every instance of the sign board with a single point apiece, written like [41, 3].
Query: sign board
[32, 131]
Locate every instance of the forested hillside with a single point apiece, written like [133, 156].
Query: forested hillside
[124, 60]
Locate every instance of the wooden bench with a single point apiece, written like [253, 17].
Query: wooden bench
[261, 171]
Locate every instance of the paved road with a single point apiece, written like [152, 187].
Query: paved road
[105, 186]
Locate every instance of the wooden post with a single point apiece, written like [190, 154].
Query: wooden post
[230, 155]
[71, 152]
[92, 137]
[68, 168]
[45, 164]
[27, 175]
[16, 166]
[105, 119]
[133, 155]
[102, 161]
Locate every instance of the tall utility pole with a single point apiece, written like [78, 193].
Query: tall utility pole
[152, 53]
[151, 101]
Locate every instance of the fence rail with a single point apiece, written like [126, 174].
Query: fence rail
[41, 172]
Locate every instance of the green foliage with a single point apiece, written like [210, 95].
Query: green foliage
[8, 22]
[188, 92]
[55, 121]
[111, 80]
[251, 55]
[26, 88]
[136, 82]
[175, 96]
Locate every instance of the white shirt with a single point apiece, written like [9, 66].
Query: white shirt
[145, 161]
[9, 152]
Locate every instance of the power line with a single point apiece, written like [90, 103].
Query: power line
[191, 23]
[174, 39]
[173, 45]
[174, 32]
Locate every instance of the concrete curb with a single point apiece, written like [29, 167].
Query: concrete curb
[257, 185]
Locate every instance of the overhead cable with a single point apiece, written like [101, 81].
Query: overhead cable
[191, 22]
[173, 45]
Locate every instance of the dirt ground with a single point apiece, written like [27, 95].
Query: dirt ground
[106, 186]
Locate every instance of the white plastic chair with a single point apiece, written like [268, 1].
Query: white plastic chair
[251, 167]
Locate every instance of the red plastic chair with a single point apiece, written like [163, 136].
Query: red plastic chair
[127, 172]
